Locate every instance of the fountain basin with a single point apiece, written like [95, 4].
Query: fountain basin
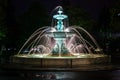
[66, 61]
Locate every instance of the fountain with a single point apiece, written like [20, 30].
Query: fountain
[60, 45]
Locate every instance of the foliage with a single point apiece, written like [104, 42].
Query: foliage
[2, 32]
[109, 19]
[115, 18]
[3, 5]
[77, 16]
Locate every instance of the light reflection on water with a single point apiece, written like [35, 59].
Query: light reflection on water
[81, 75]
[116, 75]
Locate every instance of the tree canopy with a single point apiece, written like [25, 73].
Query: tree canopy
[3, 6]
[80, 17]
[115, 18]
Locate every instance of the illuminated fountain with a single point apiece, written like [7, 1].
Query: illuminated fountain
[60, 45]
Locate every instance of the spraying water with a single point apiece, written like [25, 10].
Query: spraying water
[60, 40]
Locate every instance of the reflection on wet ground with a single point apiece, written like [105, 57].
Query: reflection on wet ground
[60, 75]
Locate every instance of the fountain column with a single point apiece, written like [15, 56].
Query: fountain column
[59, 34]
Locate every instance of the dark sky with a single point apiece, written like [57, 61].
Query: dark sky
[19, 7]
[93, 7]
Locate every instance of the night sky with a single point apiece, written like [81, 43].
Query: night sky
[93, 7]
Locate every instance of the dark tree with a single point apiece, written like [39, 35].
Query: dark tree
[3, 8]
[109, 26]
[3, 25]
[115, 18]
[78, 16]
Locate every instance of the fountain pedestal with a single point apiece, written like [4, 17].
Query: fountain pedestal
[60, 38]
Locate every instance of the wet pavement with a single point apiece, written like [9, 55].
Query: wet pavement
[84, 72]
[60, 75]
[89, 67]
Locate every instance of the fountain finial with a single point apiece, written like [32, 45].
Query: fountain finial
[60, 12]
[60, 17]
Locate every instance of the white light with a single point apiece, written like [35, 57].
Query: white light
[53, 30]
[118, 14]
[67, 30]
[60, 12]
[98, 49]
[80, 45]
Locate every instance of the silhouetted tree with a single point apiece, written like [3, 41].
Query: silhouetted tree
[109, 26]
[109, 19]
[78, 16]
[115, 18]
[3, 25]
[3, 7]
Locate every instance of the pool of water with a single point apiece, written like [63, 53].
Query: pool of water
[59, 75]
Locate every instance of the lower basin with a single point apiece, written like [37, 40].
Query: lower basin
[61, 61]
